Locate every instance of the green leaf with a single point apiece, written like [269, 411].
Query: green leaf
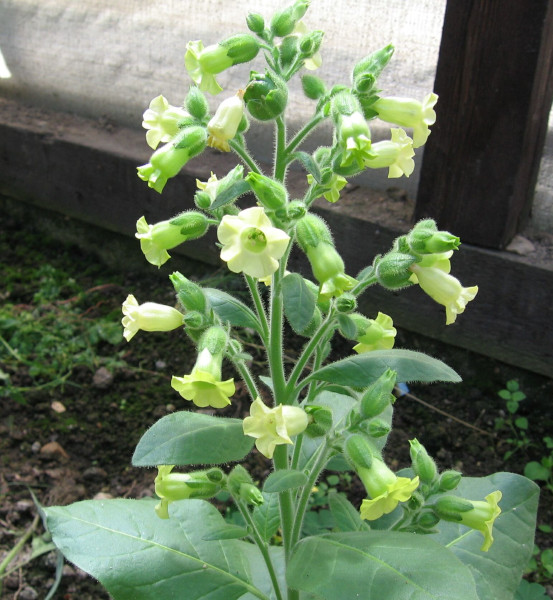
[380, 565]
[230, 194]
[347, 327]
[138, 556]
[189, 438]
[530, 591]
[345, 515]
[363, 369]
[299, 301]
[521, 422]
[258, 569]
[505, 394]
[497, 572]
[267, 516]
[230, 309]
[226, 532]
[309, 164]
[535, 471]
[279, 481]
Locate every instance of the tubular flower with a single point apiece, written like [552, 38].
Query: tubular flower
[385, 488]
[251, 245]
[203, 386]
[379, 335]
[224, 123]
[355, 139]
[409, 113]
[443, 288]
[476, 514]
[336, 183]
[396, 154]
[162, 121]
[273, 426]
[210, 186]
[329, 270]
[149, 316]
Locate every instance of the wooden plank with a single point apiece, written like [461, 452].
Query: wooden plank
[73, 167]
[495, 82]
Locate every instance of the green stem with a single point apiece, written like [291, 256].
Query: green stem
[17, 548]
[313, 386]
[304, 132]
[247, 377]
[280, 460]
[363, 285]
[254, 291]
[280, 158]
[245, 156]
[261, 545]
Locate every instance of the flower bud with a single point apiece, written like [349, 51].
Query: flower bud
[215, 475]
[320, 419]
[189, 294]
[214, 340]
[196, 103]
[449, 480]
[313, 87]
[237, 477]
[225, 122]
[255, 23]
[284, 21]
[423, 465]
[192, 224]
[202, 200]
[378, 396]
[265, 96]
[428, 520]
[358, 451]
[392, 270]
[425, 238]
[194, 320]
[251, 494]
[310, 43]
[295, 210]
[373, 64]
[450, 508]
[270, 193]
[346, 303]
[311, 231]
[377, 428]
[364, 83]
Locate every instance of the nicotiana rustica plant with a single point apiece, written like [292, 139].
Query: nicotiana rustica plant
[419, 533]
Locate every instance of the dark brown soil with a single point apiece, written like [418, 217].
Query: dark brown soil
[85, 451]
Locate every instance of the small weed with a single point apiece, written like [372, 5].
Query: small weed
[516, 425]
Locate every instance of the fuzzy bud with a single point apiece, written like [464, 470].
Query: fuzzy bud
[266, 96]
[449, 480]
[346, 303]
[196, 103]
[271, 194]
[378, 395]
[373, 64]
[255, 23]
[358, 451]
[392, 270]
[215, 340]
[378, 428]
[320, 419]
[313, 87]
[423, 464]
[189, 294]
[284, 21]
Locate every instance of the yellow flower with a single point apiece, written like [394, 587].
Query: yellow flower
[149, 316]
[355, 138]
[251, 245]
[336, 183]
[203, 71]
[380, 335]
[385, 488]
[161, 120]
[444, 288]
[273, 426]
[224, 123]
[409, 113]
[396, 154]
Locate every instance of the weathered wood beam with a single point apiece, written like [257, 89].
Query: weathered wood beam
[495, 82]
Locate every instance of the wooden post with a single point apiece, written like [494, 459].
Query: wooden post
[495, 82]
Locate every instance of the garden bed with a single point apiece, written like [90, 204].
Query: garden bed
[69, 422]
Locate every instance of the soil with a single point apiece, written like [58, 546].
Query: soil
[84, 450]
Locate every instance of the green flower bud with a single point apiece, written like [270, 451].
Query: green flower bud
[310, 43]
[313, 87]
[255, 23]
[311, 231]
[214, 340]
[364, 83]
[265, 96]
[236, 478]
[284, 21]
[296, 210]
[240, 48]
[251, 494]
[192, 224]
[346, 303]
[416, 501]
[392, 270]
[289, 51]
[373, 64]
[358, 451]
[449, 480]
[425, 238]
[451, 508]
[320, 420]
[270, 193]
[344, 104]
[423, 464]
[189, 294]
[202, 200]
[196, 103]
[378, 396]
[194, 320]
[428, 520]
[215, 475]
[378, 428]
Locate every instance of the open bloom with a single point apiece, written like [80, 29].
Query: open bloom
[224, 124]
[385, 488]
[443, 288]
[397, 154]
[379, 335]
[149, 316]
[203, 386]
[477, 514]
[409, 113]
[162, 121]
[273, 426]
[251, 245]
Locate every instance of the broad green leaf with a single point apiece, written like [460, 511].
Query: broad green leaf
[230, 310]
[226, 532]
[230, 194]
[279, 481]
[347, 327]
[138, 556]
[380, 565]
[189, 438]
[530, 591]
[363, 369]
[497, 572]
[299, 302]
[345, 515]
[258, 569]
[267, 516]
